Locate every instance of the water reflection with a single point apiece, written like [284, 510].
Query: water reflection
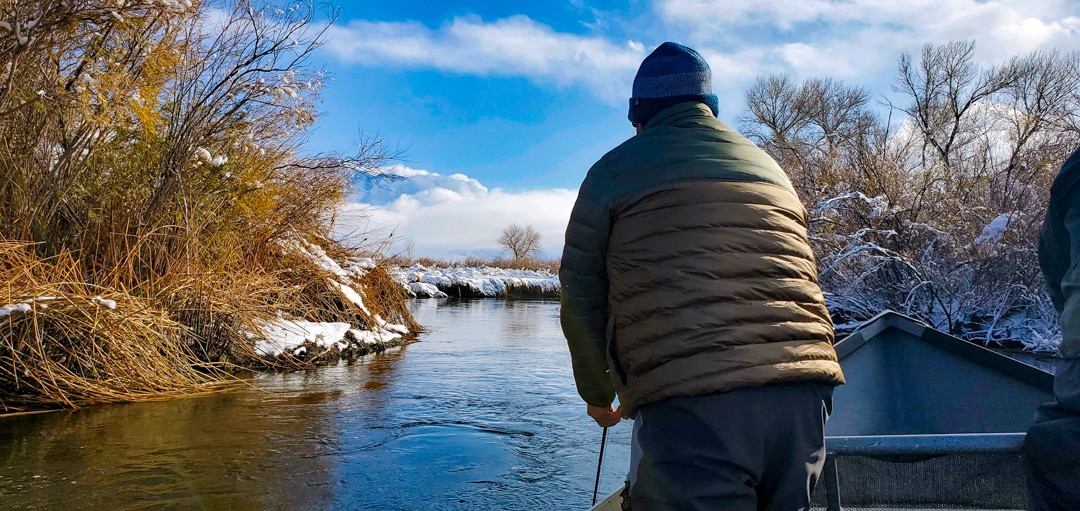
[481, 414]
[520, 321]
[196, 453]
[1044, 361]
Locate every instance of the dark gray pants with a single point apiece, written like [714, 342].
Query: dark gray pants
[1052, 446]
[754, 449]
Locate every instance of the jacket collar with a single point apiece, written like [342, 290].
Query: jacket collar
[678, 112]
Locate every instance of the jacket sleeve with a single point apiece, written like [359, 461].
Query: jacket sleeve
[583, 277]
[1055, 254]
[1059, 253]
[1070, 285]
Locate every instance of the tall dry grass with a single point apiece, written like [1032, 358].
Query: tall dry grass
[66, 342]
[150, 154]
[387, 299]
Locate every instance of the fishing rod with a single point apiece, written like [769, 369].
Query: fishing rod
[600, 463]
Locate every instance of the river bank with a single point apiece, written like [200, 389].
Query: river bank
[65, 343]
[477, 282]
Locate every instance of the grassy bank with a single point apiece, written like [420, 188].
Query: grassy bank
[159, 207]
[475, 277]
[67, 342]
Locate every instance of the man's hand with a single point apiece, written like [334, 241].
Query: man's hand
[605, 416]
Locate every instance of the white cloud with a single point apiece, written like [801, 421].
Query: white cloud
[453, 216]
[734, 67]
[427, 187]
[718, 14]
[847, 59]
[932, 16]
[741, 40]
[846, 38]
[514, 46]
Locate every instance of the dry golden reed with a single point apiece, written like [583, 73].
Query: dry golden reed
[70, 344]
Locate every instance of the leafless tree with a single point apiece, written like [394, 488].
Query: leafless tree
[810, 128]
[520, 241]
[1042, 105]
[776, 111]
[900, 210]
[943, 87]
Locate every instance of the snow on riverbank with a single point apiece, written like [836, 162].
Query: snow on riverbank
[471, 282]
[294, 337]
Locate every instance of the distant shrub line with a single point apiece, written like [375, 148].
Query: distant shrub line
[550, 266]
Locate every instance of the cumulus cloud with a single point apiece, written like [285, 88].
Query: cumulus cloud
[778, 12]
[421, 185]
[857, 40]
[452, 216]
[847, 38]
[514, 46]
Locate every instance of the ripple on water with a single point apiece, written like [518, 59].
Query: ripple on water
[481, 414]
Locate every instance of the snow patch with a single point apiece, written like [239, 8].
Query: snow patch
[108, 304]
[351, 295]
[425, 290]
[373, 336]
[993, 231]
[878, 205]
[283, 335]
[485, 281]
[13, 308]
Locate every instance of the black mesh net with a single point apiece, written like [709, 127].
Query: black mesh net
[953, 481]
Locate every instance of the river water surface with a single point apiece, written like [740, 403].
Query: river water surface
[480, 414]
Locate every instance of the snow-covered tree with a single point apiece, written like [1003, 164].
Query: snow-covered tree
[936, 213]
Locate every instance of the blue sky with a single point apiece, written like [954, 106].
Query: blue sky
[501, 107]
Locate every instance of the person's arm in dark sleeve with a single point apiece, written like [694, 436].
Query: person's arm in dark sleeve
[1067, 376]
[1069, 289]
[1056, 243]
[584, 282]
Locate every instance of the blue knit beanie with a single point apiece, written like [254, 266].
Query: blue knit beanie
[671, 74]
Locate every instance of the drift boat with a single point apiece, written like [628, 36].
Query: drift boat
[925, 421]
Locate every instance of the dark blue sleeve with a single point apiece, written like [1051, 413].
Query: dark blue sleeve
[1059, 240]
[1059, 253]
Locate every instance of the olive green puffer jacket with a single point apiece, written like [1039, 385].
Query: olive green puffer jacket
[687, 270]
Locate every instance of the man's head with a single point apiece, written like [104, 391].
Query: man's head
[671, 74]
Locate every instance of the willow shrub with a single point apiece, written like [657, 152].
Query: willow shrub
[159, 146]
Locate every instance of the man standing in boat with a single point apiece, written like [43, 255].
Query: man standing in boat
[689, 289]
[1052, 445]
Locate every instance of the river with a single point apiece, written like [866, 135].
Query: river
[480, 414]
